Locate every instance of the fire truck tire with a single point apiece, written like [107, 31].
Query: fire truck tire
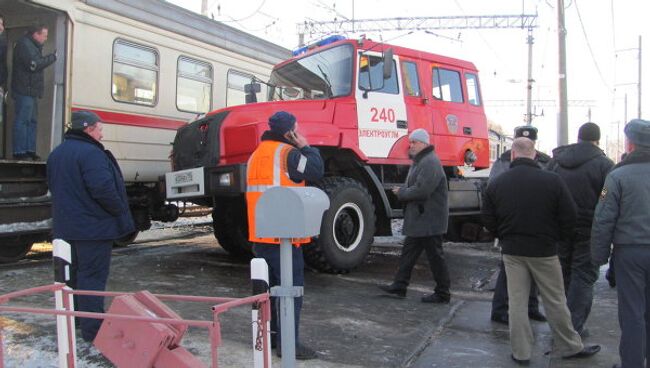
[230, 225]
[347, 230]
[126, 240]
[14, 248]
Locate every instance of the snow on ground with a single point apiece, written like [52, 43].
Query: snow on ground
[28, 342]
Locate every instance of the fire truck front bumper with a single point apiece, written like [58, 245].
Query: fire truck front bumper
[203, 182]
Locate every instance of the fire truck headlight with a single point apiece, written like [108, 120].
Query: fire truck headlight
[470, 157]
[225, 180]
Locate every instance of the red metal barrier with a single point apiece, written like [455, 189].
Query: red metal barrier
[220, 305]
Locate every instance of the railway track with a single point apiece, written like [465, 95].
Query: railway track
[42, 252]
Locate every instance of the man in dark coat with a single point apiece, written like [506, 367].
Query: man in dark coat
[425, 219]
[583, 167]
[89, 209]
[530, 210]
[499, 311]
[622, 218]
[27, 87]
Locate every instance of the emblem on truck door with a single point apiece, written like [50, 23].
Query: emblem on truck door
[452, 123]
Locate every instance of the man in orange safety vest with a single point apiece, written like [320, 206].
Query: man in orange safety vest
[283, 158]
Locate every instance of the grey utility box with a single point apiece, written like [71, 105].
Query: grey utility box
[290, 212]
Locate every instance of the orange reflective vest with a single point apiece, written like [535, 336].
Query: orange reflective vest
[267, 168]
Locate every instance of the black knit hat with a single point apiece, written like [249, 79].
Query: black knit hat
[282, 122]
[526, 131]
[589, 132]
[82, 119]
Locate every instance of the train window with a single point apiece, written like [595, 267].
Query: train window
[235, 94]
[446, 85]
[193, 85]
[371, 73]
[471, 81]
[410, 77]
[135, 73]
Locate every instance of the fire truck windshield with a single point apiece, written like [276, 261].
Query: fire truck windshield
[321, 75]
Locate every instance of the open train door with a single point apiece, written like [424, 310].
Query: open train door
[24, 201]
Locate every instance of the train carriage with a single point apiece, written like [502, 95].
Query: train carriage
[146, 67]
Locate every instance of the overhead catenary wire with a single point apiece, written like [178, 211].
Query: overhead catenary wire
[257, 11]
[591, 51]
[485, 41]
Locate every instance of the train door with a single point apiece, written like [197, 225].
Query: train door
[19, 16]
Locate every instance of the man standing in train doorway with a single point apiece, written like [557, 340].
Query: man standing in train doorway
[27, 85]
[283, 158]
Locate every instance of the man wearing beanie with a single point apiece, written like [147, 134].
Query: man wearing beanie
[499, 311]
[425, 219]
[583, 166]
[283, 158]
[622, 218]
[89, 209]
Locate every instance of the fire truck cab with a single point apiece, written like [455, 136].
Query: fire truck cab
[357, 101]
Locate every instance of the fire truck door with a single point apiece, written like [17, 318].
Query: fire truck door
[381, 112]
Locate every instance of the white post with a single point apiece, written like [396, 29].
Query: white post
[260, 279]
[62, 257]
[287, 317]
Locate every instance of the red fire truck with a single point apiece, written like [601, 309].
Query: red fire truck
[357, 101]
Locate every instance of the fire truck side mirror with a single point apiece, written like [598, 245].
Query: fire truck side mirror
[251, 90]
[388, 63]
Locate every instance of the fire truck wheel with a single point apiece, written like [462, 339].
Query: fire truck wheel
[230, 225]
[126, 240]
[14, 248]
[347, 230]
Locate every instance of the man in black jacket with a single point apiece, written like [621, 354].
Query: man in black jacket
[27, 87]
[583, 167]
[499, 311]
[530, 210]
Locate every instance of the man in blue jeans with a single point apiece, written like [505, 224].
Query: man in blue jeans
[26, 88]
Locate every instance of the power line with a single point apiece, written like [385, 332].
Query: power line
[233, 20]
[591, 51]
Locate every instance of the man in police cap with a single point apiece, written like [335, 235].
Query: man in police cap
[283, 158]
[89, 209]
[500, 298]
[622, 218]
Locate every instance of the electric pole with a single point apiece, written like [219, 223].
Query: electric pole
[639, 85]
[529, 85]
[563, 115]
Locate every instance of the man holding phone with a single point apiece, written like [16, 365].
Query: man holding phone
[283, 158]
